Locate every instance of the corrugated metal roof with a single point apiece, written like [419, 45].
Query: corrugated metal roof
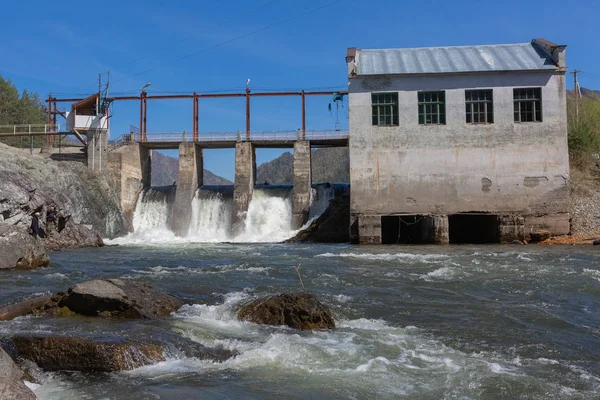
[439, 60]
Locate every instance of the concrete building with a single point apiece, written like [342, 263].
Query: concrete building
[458, 144]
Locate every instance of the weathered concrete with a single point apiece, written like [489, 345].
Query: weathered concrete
[245, 176]
[512, 228]
[505, 168]
[302, 191]
[97, 149]
[439, 232]
[191, 166]
[369, 229]
[131, 166]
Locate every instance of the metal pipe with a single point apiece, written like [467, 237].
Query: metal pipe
[247, 113]
[303, 115]
[141, 115]
[145, 116]
[195, 118]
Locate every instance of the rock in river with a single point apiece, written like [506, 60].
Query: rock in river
[18, 249]
[11, 380]
[119, 298]
[57, 353]
[297, 310]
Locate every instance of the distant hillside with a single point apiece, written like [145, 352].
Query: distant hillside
[328, 165]
[165, 170]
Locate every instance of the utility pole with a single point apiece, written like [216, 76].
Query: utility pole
[577, 90]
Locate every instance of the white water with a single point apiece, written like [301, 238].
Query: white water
[319, 200]
[267, 220]
[211, 218]
[151, 219]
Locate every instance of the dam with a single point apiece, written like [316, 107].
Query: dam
[224, 214]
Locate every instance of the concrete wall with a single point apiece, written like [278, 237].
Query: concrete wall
[127, 165]
[245, 177]
[503, 168]
[190, 177]
[302, 184]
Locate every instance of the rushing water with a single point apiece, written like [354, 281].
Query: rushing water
[464, 322]
[268, 218]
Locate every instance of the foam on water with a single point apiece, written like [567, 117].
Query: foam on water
[360, 353]
[267, 220]
[389, 256]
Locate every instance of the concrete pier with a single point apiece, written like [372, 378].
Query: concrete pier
[127, 166]
[302, 184]
[97, 149]
[369, 229]
[191, 167]
[245, 176]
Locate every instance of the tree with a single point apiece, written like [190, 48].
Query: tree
[24, 109]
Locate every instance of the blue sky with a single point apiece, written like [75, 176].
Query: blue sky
[184, 45]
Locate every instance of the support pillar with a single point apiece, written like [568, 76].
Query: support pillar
[511, 227]
[189, 179]
[369, 229]
[97, 149]
[301, 193]
[245, 176]
[439, 233]
[146, 166]
[126, 166]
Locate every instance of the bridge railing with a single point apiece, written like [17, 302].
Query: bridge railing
[23, 129]
[276, 136]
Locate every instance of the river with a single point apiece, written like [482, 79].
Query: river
[426, 322]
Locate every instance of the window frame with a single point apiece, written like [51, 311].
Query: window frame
[487, 103]
[535, 100]
[423, 104]
[381, 110]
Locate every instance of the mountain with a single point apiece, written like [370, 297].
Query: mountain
[328, 165]
[165, 170]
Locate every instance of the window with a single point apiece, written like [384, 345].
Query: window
[528, 105]
[385, 109]
[480, 106]
[432, 108]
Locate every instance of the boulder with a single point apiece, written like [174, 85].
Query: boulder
[11, 380]
[30, 183]
[18, 249]
[297, 310]
[57, 353]
[119, 299]
[539, 236]
[333, 226]
[73, 236]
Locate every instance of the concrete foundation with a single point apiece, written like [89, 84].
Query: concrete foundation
[302, 184]
[191, 167]
[126, 164]
[245, 176]
[97, 149]
[369, 229]
[512, 227]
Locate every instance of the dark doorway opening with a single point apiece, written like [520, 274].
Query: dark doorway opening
[405, 229]
[474, 228]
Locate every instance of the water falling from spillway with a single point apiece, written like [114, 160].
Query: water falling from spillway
[268, 218]
[152, 216]
[211, 216]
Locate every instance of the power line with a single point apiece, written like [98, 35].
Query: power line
[234, 39]
[223, 23]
